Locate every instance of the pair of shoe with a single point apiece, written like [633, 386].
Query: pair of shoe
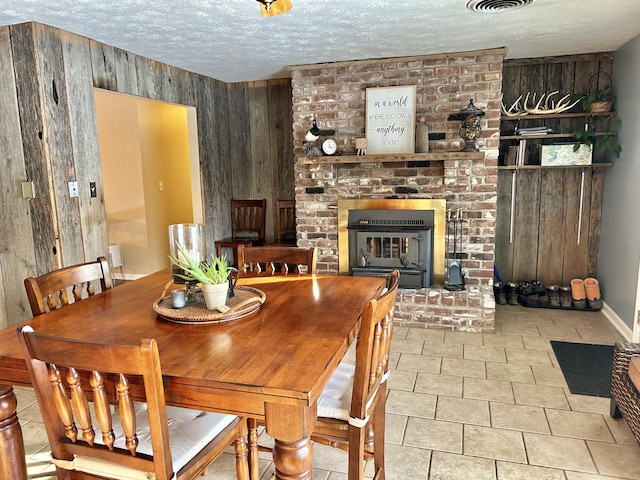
[586, 291]
[505, 293]
[533, 293]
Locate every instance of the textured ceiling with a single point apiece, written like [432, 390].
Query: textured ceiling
[230, 40]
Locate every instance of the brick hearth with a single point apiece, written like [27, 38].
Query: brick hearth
[335, 95]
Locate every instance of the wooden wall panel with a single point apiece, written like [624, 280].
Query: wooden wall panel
[551, 235]
[59, 142]
[263, 172]
[504, 254]
[281, 138]
[575, 246]
[240, 139]
[183, 89]
[595, 222]
[103, 65]
[147, 82]
[566, 84]
[29, 100]
[213, 135]
[125, 72]
[86, 151]
[526, 225]
[17, 255]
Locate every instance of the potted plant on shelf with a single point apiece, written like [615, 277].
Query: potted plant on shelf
[599, 101]
[213, 276]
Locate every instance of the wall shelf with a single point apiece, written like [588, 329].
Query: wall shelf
[563, 126]
[550, 135]
[406, 157]
[532, 167]
[505, 118]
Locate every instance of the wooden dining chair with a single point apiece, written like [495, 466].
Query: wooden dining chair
[247, 226]
[132, 440]
[248, 219]
[272, 260]
[285, 222]
[351, 408]
[55, 289]
[278, 260]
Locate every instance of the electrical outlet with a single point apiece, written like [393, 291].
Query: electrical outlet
[92, 189]
[73, 189]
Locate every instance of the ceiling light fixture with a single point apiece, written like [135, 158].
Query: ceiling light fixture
[493, 6]
[271, 8]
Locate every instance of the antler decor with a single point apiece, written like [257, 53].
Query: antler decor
[537, 108]
[515, 108]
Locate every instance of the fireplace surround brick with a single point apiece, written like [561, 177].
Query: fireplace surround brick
[335, 95]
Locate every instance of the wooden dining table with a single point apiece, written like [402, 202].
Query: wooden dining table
[272, 364]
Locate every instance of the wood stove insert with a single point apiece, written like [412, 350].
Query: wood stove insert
[382, 240]
[376, 236]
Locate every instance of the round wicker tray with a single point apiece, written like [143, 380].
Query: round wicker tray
[246, 301]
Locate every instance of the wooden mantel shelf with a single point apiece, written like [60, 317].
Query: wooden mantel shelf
[407, 157]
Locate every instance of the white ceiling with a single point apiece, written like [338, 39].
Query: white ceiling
[231, 41]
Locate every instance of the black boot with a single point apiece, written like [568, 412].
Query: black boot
[566, 300]
[553, 293]
[512, 293]
[499, 293]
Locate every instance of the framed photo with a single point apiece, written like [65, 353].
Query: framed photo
[391, 120]
[553, 155]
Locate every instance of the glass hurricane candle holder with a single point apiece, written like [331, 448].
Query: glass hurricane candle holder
[190, 237]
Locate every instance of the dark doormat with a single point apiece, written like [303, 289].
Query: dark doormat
[586, 367]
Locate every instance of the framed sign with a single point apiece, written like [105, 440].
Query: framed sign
[391, 119]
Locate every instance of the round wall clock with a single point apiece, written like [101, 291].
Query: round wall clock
[329, 146]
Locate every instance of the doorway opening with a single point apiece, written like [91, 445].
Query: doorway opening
[151, 177]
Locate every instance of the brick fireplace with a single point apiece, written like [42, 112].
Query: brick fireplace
[335, 95]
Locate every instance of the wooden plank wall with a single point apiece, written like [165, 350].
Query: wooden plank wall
[557, 212]
[49, 136]
[17, 258]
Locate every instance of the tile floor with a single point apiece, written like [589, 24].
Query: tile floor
[468, 406]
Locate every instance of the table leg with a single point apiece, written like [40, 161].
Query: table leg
[293, 459]
[291, 427]
[13, 465]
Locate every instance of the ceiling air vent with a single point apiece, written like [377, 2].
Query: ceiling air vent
[492, 6]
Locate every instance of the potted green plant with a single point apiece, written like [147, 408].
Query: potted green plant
[600, 100]
[605, 143]
[213, 276]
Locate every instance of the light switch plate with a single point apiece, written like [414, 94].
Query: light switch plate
[28, 190]
[73, 189]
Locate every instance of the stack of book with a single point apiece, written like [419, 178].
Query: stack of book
[533, 131]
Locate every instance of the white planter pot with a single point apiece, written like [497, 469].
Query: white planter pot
[215, 295]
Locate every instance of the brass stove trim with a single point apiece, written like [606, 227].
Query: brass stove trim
[439, 216]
